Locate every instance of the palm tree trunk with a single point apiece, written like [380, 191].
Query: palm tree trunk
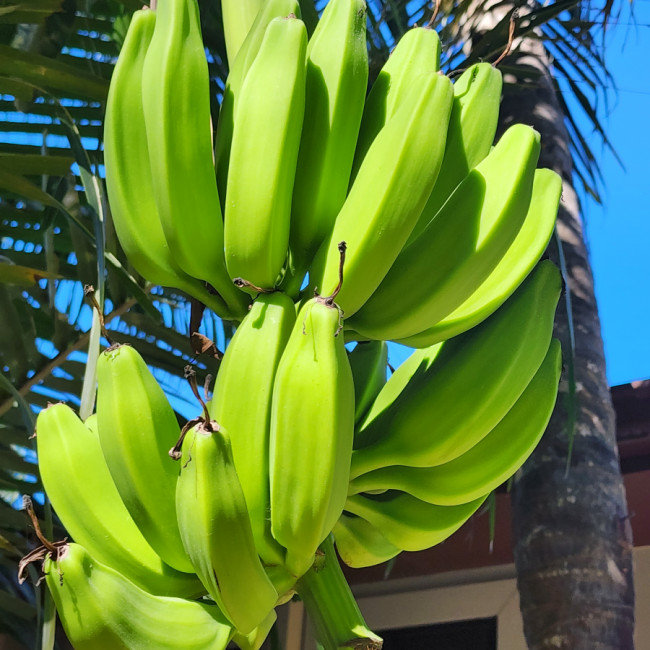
[572, 538]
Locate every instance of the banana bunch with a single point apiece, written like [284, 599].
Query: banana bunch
[90, 507]
[424, 459]
[153, 537]
[314, 216]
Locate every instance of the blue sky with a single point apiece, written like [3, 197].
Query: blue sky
[618, 232]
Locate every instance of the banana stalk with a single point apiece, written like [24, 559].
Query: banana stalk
[338, 622]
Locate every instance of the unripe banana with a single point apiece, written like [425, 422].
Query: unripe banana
[176, 100]
[80, 487]
[472, 126]
[100, 609]
[216, 531]
[238, 17]
[238, 70]
[417, 363]
[369, 363]
[312, 422]
[336, 81]
[137, 427]
[416, 53]
[490, 462]
[360, 544]
[465, 241]
[409, 523]
[264, 150]
[254, 640]
[128, 171]
[387, 196]
[518, 261]
[443, 410]
[242, 405]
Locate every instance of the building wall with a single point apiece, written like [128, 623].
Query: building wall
[455, 596]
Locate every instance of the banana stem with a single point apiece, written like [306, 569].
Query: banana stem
[335, 615]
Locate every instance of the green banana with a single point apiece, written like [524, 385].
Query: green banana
[416, 53]
[336, 81]
[369, 363]
[137, 427]
[472, 126]
[242, 405]
[388, 194]
[238, 70]
[80, 487]
[460, 247]
[176, 101]
[100, 609]
[254, 640]
[238, 17]
[216, 531]
[444, 410]
[312, 422]
[128, 178]
[360, 544]
[417, 363]
[524, 252]
[409, 523]
[333, 612]
[263, 155]
[492, 460]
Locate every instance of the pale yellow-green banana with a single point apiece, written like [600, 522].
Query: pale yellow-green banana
[176, 101]
[216, 530]
[451, 403]
[263, 154]
[242, 405]
[238, 17]
[128, 171]
[137, 427]
[416, 53]
[417, 363]
[524, 252]
[254, 640]
[360, 544]
[238, 70]
[312, 422]
[336, 81]
[460, 247]
[490, 462]
[369, 363]
[409, 523]
[101, 609]
[472, 126]
[388, 194]
[83, 494]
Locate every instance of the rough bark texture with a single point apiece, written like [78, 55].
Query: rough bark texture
[573, 545]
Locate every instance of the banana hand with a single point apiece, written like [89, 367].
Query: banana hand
[490, 462]
[452, 402]
[459, 247]
[100, 609]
